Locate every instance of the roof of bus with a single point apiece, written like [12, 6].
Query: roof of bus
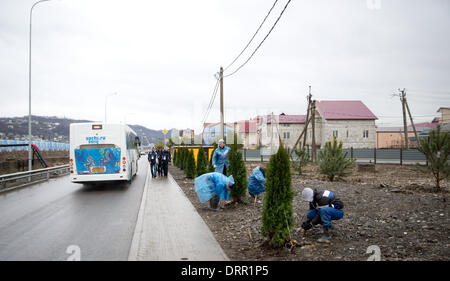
[87, 124]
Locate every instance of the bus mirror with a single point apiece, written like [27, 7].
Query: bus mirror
[138, 141]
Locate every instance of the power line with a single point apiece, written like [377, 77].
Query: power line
[211, 102]
[429, 91]
[253, 37]
[273, 26]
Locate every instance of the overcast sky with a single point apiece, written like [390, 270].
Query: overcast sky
[161, 56]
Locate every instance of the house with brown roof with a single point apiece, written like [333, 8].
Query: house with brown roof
[351, 122]
[394, 137]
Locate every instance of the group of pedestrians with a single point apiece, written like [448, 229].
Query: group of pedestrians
[159, 161]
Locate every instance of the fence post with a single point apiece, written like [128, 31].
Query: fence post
[401, 156]
[351, 152]
[375, 155]
[245, 155]
[261, 158]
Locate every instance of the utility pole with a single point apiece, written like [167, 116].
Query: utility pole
[30, 153]
[301, 135]
[411, 119]
[307, 117]
[271, 133]
[313, 125]
[222, 132]
[405, 126]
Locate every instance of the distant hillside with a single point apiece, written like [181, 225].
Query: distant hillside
[153, 136]
[57, 129]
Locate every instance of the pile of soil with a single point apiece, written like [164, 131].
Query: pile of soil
[381, 209]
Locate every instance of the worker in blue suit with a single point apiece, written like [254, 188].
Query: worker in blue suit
[256, 182]
[220, 158]
[214, 187]
[324, 206]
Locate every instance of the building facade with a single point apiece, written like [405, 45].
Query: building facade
[272, 128]
[248, 133]
[211, 133]
[445, 117]
[349, 121]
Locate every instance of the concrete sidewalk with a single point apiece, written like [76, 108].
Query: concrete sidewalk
[169, 228]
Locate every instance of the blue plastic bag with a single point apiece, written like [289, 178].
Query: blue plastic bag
[220, 158]
[211, 184]
[256, 182]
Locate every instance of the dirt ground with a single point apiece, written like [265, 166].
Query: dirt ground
[393, 208]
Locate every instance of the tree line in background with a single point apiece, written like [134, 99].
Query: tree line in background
[184, 159]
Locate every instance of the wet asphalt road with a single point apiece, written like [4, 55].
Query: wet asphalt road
[40, 222]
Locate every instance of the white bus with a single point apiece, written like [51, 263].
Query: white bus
[102, 152]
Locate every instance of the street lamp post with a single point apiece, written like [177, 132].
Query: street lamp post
[30, 160]
[106, 99]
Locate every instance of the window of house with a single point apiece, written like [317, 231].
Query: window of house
[335, 133]
[347, 133]
[366, 134]
[286, 135]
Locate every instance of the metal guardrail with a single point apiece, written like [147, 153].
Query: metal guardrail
[20, 178]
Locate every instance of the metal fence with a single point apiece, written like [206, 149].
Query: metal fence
[42, 145]
[368, 155]
[10, 181]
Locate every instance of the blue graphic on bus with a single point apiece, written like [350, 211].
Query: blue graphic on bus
[97, 160]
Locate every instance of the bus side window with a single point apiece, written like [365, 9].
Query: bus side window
[129, 141]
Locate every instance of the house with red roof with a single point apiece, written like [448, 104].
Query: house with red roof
[351, 122]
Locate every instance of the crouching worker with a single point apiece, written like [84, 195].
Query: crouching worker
[256, 182]
[214, 187]
[324, 207]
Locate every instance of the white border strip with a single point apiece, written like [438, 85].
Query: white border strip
[134, 249]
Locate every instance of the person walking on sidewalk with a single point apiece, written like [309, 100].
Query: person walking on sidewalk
[215, 188]
[220, 158]
[324, 207]
[152, 158]
[166, 158]
[159, 157]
